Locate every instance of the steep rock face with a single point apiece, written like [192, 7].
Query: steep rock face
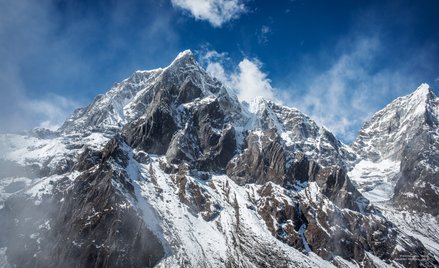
[418, 185]
[122, 103]
[405, 137]
[309, 221]
[266, 158]
[188, 119]
[335, 185]
[307, 206]
[263, 159]
[389, 131]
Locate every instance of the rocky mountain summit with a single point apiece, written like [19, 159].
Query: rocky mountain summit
[404, 137]
[169, 169]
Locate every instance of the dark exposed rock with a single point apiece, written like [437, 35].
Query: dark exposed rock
[263, 160]
[154, 133]
[188, 92]
[207, 142]
[87, 159]
[283, 219]
[89, 228]
[90, 225]
[406, 132]
[335, 184]
[309, 223]
[196, 198]
[344, 225]
[417, 186]
[113, 150]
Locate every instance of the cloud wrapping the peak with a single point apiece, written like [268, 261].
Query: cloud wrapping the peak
[247, 81]
[251, 82]
[216, 12]
[50, 111]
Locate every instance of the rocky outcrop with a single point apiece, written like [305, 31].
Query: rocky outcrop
[418, 185]
[310, 222]
[263, 159]
[154, 132]
[315, 208]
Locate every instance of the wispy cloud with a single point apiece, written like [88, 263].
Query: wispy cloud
[247, 80]
[216, 12]
[263, 34]
[341, 96]
[50, 111]
[351, 88]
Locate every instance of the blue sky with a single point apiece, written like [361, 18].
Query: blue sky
[337, 61]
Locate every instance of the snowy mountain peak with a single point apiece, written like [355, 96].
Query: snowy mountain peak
[128, 100]
[386, 133]
[184, 53]
[421, 96]
[396, 146]
[184, 57]
[423, 89]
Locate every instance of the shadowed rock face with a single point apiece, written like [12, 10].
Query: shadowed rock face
[417, 187]
[153, 133]
[115, 238]
[263, 159]
[266, 159]
[314, 208]
[311, 222]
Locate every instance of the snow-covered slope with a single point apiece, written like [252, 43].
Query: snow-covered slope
[386, 134]
[128, 100]
[168, 169]
[399, 150]
[398, 168]
[299, 132]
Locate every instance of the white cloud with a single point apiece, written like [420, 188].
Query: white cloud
[216, 12]
[251, 82]
[217, 70]
[50, 111]
[247, 81]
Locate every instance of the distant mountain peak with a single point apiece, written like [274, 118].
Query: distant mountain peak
[385, 134]
[183, 58]
[422, 94]
[184, 54]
